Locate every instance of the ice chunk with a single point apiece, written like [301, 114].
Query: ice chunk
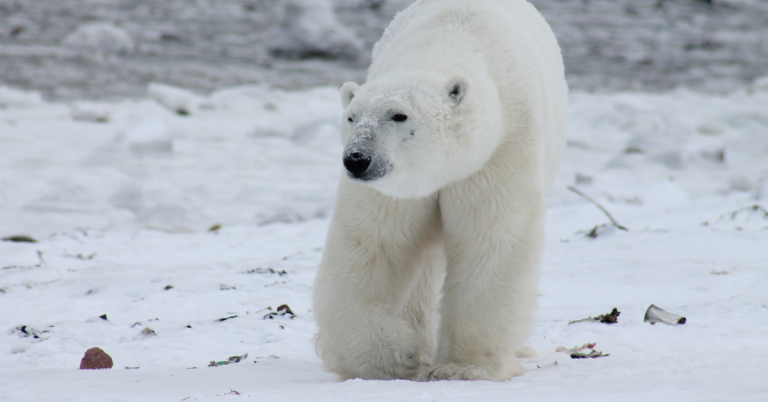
[309, 28]
[100, 37]
[179, 101]
[83, 111]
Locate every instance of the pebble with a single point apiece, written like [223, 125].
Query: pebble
[94, 359]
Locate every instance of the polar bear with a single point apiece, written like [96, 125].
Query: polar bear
[430, 269]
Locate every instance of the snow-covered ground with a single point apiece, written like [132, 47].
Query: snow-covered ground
[121, 196]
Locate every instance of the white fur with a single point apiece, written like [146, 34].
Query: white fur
[458, 208]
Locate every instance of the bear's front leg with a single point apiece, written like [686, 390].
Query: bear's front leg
[493, 239]
[374, 255]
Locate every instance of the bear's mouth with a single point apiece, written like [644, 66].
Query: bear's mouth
[374, 172]
[362, 179]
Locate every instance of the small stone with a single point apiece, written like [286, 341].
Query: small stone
[94, 359]
[582, 179]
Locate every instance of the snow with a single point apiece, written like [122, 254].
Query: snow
[121, 207]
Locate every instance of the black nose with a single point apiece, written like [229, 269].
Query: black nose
[357, 163]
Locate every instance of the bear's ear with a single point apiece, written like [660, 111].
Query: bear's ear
[457, 90]
[347, 93]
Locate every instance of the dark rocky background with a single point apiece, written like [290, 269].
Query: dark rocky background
[608, 45]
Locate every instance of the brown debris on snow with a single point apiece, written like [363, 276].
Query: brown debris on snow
[20, 239]
[232, 359]
[591, 355]
[94, 359]
[610, 318]
[576, 351]
[282, 311]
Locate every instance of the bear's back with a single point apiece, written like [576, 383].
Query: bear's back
[494, 22]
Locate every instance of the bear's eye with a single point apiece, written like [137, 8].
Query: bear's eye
[399, 117]
[349, 119]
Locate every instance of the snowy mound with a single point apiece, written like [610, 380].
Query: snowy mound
[100, 38]
[10, 97]
[309, 28]
[89, 111]
[178, 100]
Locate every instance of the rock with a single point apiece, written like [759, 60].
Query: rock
[95, 358]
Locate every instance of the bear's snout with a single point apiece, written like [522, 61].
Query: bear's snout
[357, 163]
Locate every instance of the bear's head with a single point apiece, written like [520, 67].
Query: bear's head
[408, 134]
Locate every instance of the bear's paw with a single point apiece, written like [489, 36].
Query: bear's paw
[388, 362]
[453, 371]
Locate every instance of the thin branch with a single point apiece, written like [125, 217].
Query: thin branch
[754, 208]
[605, 211]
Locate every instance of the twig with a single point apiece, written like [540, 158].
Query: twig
[605, 211]
[754, 208]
